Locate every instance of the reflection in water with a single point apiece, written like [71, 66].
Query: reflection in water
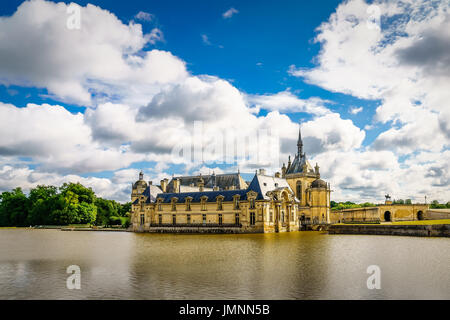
[298, 265]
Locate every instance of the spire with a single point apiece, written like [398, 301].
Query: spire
[300, 142]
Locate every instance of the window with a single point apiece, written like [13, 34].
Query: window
[252, 218]
[299, 190]
[174, 219]
[188, 218]
[188, 204]
[252, 203]
[160, 218]
[174, 204]
[270, 215]
[282, 216]
[142, 219]
[204, 218]
[236, 203]
[159, 205]
[220, 219]
[237, 220]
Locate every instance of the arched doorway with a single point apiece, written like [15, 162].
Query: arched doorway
[387, 216]
[420, 215]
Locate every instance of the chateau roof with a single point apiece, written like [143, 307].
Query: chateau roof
[262, 184]
[196, 196]
[151, 192]
[223, 181]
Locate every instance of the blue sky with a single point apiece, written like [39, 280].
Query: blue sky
[312, 56]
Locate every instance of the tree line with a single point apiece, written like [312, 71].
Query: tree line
[71, 203]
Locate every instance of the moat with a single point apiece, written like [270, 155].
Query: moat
[296, 265]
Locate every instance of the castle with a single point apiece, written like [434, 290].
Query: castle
[226, 203]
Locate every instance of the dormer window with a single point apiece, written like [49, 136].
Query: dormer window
[219, 202]
[236, 202]
[188, 203]
[203, 203]
[174, 203]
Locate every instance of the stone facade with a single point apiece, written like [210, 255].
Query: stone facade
[287, 201]
[381, 213]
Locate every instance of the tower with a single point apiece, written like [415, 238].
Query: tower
[300, 174]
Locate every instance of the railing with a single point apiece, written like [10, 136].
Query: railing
[196, 225]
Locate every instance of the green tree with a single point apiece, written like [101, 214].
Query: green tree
[43, 201]
[14, 208]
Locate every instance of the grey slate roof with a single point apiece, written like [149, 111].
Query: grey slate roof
[196, 196]
[263, 184]
[223, 181]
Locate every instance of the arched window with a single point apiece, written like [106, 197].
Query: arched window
[299, 190]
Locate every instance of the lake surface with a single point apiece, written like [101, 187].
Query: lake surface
[297, 265]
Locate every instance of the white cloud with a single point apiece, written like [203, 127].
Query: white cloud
[205, 39]
[229, 13]
[286, 101]
[145, 16]
[356, 110]
[404, 64]
[146, 103]
[100, 57]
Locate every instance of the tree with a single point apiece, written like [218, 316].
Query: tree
[84, 194]
[408, 201]
[43, 201]
[14, 208]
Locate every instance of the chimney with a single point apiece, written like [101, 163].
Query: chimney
[216, 188]
[176, 185]
[150, 183]
[231, 188]
[164, 185]
[262, 171]
[277, 174]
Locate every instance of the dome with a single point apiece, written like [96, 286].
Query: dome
[319, 183]
[140, 184]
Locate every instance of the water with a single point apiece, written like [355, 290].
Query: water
[297, 265]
